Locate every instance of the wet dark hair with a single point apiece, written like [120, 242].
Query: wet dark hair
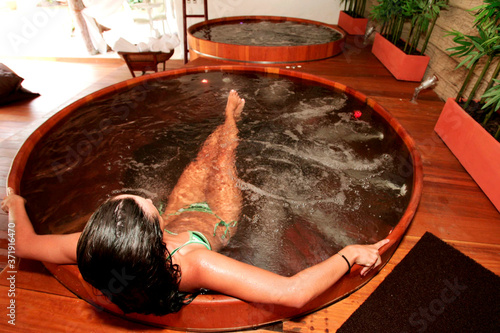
[121, 252]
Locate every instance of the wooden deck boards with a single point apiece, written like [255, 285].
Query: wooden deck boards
[452, 206]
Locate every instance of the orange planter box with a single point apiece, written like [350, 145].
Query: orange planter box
[351, 25]
[401, 65]
[473, 146]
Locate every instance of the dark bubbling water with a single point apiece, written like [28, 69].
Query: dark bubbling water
[267, 33]
[313, 178]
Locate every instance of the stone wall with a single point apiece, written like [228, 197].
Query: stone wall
[457, 17]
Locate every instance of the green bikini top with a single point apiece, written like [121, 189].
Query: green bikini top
[195, 237]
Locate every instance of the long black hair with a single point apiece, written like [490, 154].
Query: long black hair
[121, 252]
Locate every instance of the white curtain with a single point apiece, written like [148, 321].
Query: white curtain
[117, 15]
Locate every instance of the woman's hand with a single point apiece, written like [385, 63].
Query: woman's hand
[58, 249]
[11, 199]
[364, 255]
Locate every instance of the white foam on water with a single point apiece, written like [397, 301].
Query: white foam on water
[291, 135]
[268, 33]
[276, 90]
[342, 159]
[339, 200]
[317, 107]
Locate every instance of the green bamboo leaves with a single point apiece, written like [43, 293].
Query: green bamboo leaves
[420, 14]
[491, 99]
[487, 13]
[474, 47]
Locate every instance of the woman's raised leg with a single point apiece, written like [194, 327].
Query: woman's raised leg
[223, 193]
[214, 162]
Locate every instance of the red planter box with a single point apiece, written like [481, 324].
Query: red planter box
[476, 149]
[402, 66]
[351, 25]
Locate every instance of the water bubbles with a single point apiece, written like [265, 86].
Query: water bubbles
[403, 190]
[340, 198]
[267, 33]
[291, 135]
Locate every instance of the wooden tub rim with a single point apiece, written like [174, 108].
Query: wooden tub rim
[336, 45]
[256, 314]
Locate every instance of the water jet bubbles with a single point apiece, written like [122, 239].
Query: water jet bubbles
[403, 190]
[274, 94]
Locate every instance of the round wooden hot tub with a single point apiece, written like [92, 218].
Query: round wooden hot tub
[248, 44]
[101, 159]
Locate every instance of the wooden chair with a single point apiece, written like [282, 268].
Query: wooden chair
[145, 61]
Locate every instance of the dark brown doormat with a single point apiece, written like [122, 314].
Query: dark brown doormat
[435, 288]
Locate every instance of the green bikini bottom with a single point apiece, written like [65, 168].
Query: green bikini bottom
[205, 208]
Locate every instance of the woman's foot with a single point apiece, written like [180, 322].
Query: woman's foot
[234, 105]
[239, 109]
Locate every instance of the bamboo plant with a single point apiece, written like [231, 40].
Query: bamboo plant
[354, 8]
[486, 44]
[491, 99]
[420, 14]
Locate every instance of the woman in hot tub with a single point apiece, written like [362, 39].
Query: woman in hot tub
[151, 263]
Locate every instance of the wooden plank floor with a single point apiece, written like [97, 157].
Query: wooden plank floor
[452, 206]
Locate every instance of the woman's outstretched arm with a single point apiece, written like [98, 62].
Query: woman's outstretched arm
[219, 273]
[58, 249]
